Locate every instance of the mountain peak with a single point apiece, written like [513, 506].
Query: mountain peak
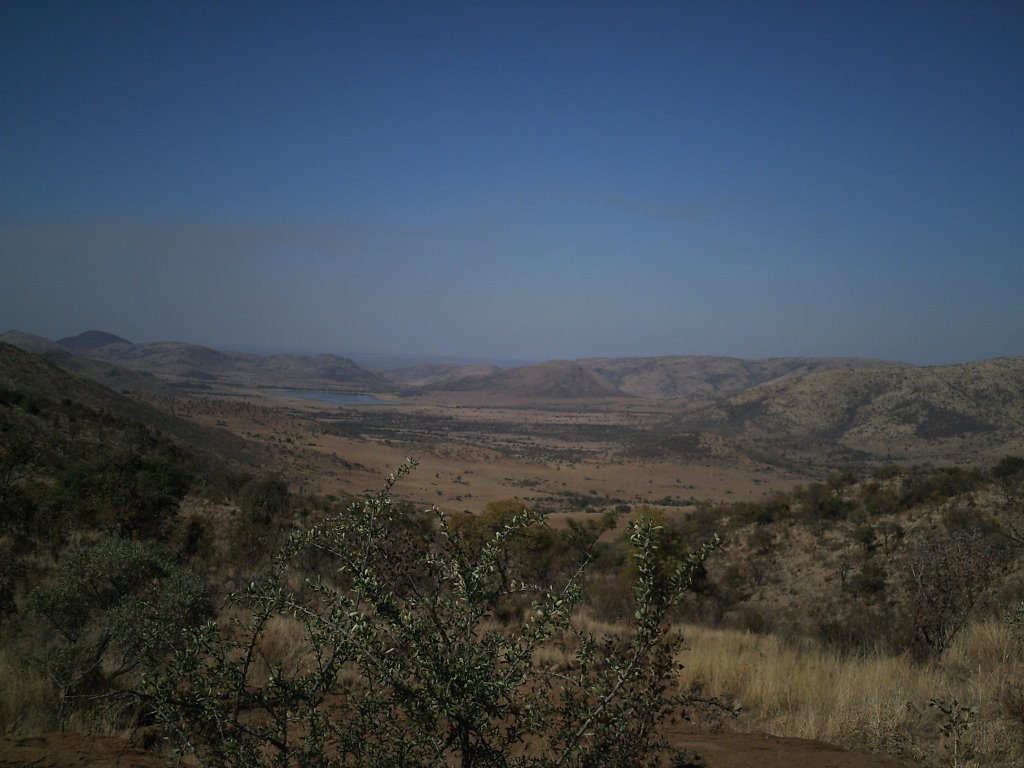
[90, 340]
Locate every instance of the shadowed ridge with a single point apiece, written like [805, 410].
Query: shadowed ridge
[88, 340]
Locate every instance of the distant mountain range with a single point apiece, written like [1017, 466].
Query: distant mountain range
[678, 377]
[825, 411]
[190, 365]
[179, 364]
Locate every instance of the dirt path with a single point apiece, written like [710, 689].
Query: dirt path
[76, 750]
[743, 750]
[716, 750]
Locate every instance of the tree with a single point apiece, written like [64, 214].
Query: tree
[945, 576]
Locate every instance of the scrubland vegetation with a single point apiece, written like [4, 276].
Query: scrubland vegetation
[142, 586]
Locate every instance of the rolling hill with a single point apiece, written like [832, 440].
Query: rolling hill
[555, 380]
[709, 378]
[38, 377]
[119, 363]
[174, 359]
[947, 413]
[799, 411]
[114, 377]
[692, 378]
[88, 340]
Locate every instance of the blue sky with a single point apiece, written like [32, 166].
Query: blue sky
[518, 180]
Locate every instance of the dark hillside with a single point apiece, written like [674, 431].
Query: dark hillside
[35, 377]
[90, 340]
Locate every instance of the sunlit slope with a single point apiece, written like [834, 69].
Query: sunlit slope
[942, 412]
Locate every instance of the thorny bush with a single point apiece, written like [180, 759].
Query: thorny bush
[402, 663]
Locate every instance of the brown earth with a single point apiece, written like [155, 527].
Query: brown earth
[471, 454]
[715, 750]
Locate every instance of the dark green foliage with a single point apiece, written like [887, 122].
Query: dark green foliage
[126, 492]
[877, 500]
[64, 466]
[265, 500]
[865, 535]
[107, 607]
[821, 501]
[774, 509]
[536, 553]
[870, 580]
[934, 485]
[1009, 467]
[11, 573]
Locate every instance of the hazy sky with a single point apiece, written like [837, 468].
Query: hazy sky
[526, 180]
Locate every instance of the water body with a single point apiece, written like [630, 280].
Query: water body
[336, 398]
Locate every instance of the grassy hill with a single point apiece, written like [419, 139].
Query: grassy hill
[695, 378]
[709, 378]
[943, 413]
[558, 379]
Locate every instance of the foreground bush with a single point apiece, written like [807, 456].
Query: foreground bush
[109, 607]
[394, 659]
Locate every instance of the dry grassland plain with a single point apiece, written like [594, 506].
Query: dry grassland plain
[553, 455]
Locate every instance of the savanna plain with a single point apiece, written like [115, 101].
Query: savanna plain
[211, 558]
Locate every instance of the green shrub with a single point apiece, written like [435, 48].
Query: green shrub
[108, 607]
[265, 500]
[1008, 467]
[402, 664]
[870, 580]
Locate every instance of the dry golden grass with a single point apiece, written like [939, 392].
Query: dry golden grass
[875, 702]
[797, 688]
[26, 697]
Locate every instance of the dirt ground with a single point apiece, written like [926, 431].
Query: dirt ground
[713, 750]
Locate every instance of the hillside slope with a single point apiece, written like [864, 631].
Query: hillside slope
[38, 377]
[709, 378]
[88, 340]
[693, 378]
[174, 359]
[937, 413]
[119, 363]
[114, 377]
[558, 379]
